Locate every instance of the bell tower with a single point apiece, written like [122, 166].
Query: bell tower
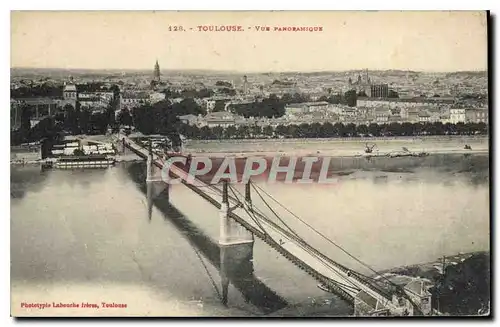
[156, 76]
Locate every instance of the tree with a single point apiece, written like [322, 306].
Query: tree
[227, 91]
[293, 131]
[315, 130]
[26, 114]
[242, 132]
[362, 130]
[350, 129]
[71, 120]
[78, 152]
[217, 132]
[268, 131]
[407, 129]
[460, 128]
[393, 129]
[98, 123]
[281, 130]
[374, 129]
[124, 117]
[351, 98]
[205, 133]
[327, 130]
[223, 83]
[230, 132]
[188, 107]
[220, 105]
[338, 129]
[255, 131]
[84, 120]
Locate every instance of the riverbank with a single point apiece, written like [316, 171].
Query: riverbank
[459, 282]
[348, 147]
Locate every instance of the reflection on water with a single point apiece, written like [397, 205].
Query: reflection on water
[92, 226]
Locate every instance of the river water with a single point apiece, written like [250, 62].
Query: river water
[86, 235]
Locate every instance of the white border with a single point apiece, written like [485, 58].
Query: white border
[187, 5]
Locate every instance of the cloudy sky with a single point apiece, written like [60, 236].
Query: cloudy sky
[422, 41]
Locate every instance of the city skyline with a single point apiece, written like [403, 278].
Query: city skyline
[429, 42]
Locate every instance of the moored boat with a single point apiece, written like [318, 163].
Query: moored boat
[325, 288]
[84, 162]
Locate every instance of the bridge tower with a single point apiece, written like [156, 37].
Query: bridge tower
[236, 245]
[156, 187]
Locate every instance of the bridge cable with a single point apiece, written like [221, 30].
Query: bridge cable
[307, 250]
[398, 287]
[204, 266]
[207, 271]
[318, 232]
[252, 216]
[312, 228]
[277, 216]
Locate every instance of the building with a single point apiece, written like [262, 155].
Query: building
[156, 97]
[406, 103]
[156, 76]
[418, 291]
[245, 85]
[26, 152]
[131, 100]
[364, 85]
[481, 115]
[70, 92]
[222, 119]
[378, 91]
[365, 304]
[189, 119]
[468, 115]
[457, 115]
[39, 106]
[424, 117]
[305, 107]
[95, 99]
[361, 85]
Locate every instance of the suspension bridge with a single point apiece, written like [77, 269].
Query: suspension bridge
[241, 221]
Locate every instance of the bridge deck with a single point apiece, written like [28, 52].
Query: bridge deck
[338, 278]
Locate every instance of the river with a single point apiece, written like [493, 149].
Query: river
[85, 235]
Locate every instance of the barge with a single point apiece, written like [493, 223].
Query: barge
[83, 162]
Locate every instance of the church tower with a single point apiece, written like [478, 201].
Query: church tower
[245, 85]
[156, 77]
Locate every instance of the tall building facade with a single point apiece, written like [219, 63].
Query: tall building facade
[378, 91]
[156, 76]
[364, 84]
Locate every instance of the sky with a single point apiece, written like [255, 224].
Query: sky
[419, 41]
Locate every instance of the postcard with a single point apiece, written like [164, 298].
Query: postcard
[250, 164]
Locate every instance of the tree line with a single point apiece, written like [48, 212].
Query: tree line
[159, 118]
[71, 120]
[42, 90]
[329, 130]
[188, 93]
[56, 91]
[349, 98]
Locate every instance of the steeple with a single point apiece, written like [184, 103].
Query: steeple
[156, 76]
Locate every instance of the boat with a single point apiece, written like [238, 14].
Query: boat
[325, 288]
[84, 162]
[397, 154]
[374, 155]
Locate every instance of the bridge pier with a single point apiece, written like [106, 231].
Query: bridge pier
[236, 246]
[155, 186]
